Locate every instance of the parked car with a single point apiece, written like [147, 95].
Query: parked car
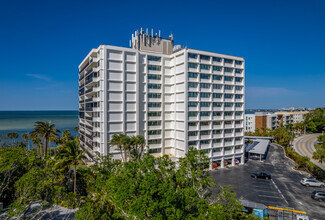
[261, 175]
[318, 195]
[312, 182]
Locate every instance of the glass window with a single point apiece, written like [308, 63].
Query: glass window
[204, 67]
[192, 133]
[154, 104]
[192, 104]
[239, 104]
[205, 133]
[217, 104]
[192, 124]
[238, 147]
[217, 131]
[192, 143]
[193, 56]
[204, 104]
[237, 71]
[204, 95]
[228, 104]
[204, 113]
[155, 150]
[228, 96]
[154, 123]
[154, 141]
[192, 75]
[238, 96]
[238, 122]
[192, 114]
[228, 113]
[217, 86]
[154, 86]
[204, 76]
[237, 79]
[217, 59]
[205, 142]
[216, 113]
[192, 65]
[228, 61]
[192, 85]
[228, 87]
[154, 67]
[238, 62]
[217, 68]
[217, 95]
[154, 114]
[203, 57]
[204, 123]
[228, 70]
[228, 131]
[216, 149]
[238, 130]
[228, 78]
[238, 113]
[152, 76]
[154, 132]
[204, 85]
[239, 88]
[154, 95]
[216, 123]
[215, 77]
[154, 58]
[192, 94]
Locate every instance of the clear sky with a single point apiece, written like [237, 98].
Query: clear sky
[43, 42]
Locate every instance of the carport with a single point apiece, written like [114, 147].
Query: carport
[258, 148]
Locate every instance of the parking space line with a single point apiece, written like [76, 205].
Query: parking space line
[279, 191]
[277, 197]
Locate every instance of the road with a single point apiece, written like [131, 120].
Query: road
[304, 146]
[283, 190]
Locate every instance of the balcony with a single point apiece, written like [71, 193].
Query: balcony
[89, 127]
[192, 138]
[89, 118]
[89, 145]
[89, 100]
[89, 90]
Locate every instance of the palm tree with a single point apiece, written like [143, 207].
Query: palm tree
[117, 140]
[66, 136]
[70, 154]
[76, 129]
[12, 136]
[25, 136]
[46, 130]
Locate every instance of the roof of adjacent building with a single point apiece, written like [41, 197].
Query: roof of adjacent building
[259, 146]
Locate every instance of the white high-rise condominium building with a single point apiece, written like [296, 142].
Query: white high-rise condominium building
[175, 97]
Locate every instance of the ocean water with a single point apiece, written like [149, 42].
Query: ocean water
[23, 121]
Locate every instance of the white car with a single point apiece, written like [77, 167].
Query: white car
[312, 182]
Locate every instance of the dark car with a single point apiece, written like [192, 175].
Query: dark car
[318, 195]
[261, 175]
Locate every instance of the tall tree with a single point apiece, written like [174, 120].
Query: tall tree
[68, 155]
[12, 136]
[118, 140]
[46, 130]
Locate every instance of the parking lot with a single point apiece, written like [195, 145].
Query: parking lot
[283, 190]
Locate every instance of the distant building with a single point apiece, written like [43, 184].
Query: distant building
[249, 123]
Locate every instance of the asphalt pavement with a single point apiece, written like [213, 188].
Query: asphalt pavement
[283, 190]
[304, 146]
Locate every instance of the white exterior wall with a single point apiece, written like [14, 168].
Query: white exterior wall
[249, 123]
[124, 103]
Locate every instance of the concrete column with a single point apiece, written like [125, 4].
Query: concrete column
[222, 162]
[242, 160]
[260, 157]
[210, 164]
[233, 161]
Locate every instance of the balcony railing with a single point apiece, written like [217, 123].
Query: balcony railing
[89, 90]
[89, 127]
[89, 100]
[89, 145]
[89, 118]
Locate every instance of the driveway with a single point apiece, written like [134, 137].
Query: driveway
[304, 146]
[283, 190]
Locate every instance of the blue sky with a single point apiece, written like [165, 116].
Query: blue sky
[43, 42]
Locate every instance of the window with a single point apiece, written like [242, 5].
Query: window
[238, 113]
[237, 79]
[193, 56]
[217, 95]
[192, 94]
[154, 86]
[154, 114]
[154, 58]
[228, 61]
[203, 57]
[154, 132]
[217, 131]
[238, 130]
[191, 143]
[205, 142]
[152, 76]
[228, 96]
[192, 85]
[192, 114]
[215, 150]
[228, 122]
[216, 113]
[228, 70]
[228, 78]
[155, 150]
[192, 133]
[238, 147]
[204, 67]
[205, 133]
[228, 148]
[154, 95]
[192, 65]
[239, 104]
[205, 151]
[228, 87]
[217, 68]
[217, 104]
[154, 123]
[238, 122]
[215, 77]
[228, 140]
[154, 67]
[217, 59]
[204, 113]
[237, 71]
[217, 86]
[192, 75]
[228, 104]
[204, 123]
[204, 85]
[154, 104]
[154, 141]
[228, 131]
[238, 96]
[204, 76]
[205, 104]
[239, 88]
[238, 62]
[238, 139]
[192, 104]
[192, 124]
[204, 95]
[216, 123]
[228, 113]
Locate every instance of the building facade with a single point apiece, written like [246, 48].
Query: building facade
[175, 97]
